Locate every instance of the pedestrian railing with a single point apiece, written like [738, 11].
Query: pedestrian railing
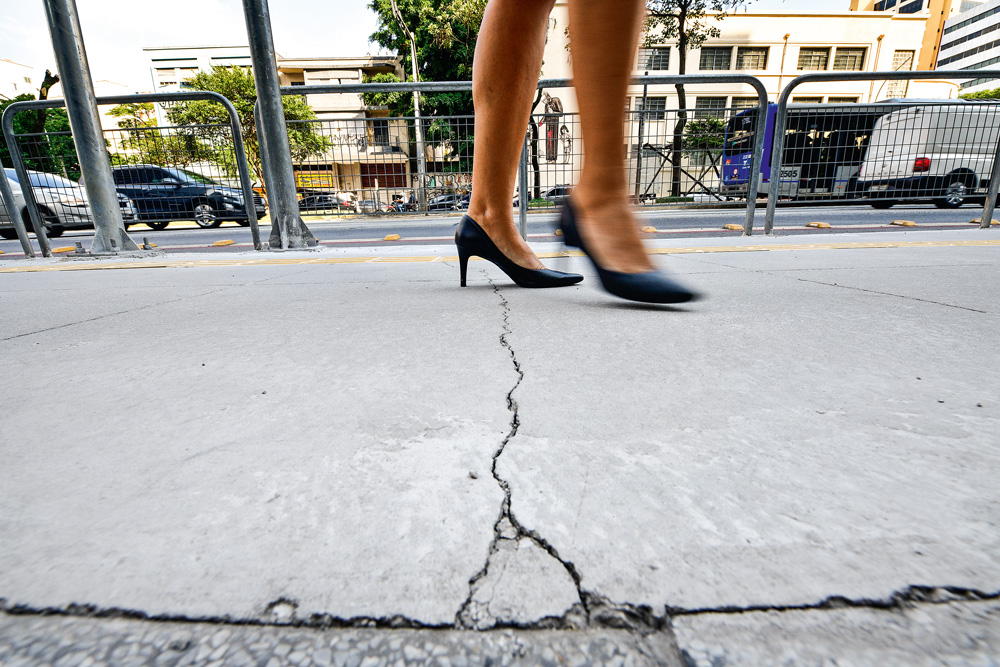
[943, 151]
[197, 171]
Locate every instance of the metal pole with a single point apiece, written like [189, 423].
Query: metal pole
[418, 129]
[85, 122]
[638, 149]
[274, 239]
[522, 200]
[7, 121]
[774, 185]
[756, 157]
[294, 233]
[8, 203]
[991, 193]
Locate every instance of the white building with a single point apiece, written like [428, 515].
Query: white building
[17, 79]
[971, 41]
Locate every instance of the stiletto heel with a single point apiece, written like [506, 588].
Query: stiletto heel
[472, 240]
[647, 287]
[463, 263]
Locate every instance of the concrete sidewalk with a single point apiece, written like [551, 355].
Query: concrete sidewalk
[802, 467]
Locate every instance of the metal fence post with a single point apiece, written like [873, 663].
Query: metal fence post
[294, 233]
[991, 193]
[522, 200]
[638, 146]
[15, 218]
[274, 239]
[774, 181]
[78, 89]
[7, 123]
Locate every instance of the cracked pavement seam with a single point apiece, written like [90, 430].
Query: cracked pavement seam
[593, 610]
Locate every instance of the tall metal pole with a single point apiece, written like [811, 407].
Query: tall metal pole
[293, 232]
[638, 149]
[7, 195]
[85, 122]
[418, 128]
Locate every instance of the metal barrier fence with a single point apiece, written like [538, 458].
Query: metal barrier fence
[922, 150]
[378, 156]
[193, 172]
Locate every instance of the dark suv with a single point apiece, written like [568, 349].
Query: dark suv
[162, 194]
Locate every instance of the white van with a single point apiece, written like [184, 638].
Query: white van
[944, 153]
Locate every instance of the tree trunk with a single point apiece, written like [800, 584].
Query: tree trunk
[675, 153]
[48, 81]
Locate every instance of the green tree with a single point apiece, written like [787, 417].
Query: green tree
[691, 23]
[445, 33]
[992, 94]
[143, 141]
[237, 85]
[52, 150]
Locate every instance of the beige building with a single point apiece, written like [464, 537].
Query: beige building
[366, 151]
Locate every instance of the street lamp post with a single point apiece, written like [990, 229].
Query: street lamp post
[418, 130]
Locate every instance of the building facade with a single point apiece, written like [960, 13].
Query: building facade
[971, 41]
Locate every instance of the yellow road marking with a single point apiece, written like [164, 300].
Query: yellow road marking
[71, 265]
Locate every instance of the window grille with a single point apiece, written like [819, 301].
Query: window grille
[902, 61]
[741, 103]
[751, 57]
[849, 60]
[814, 59]
[709, 107]
[715, 57]
[851, 99]
[655, 107]
[654, 59]
[807, 100]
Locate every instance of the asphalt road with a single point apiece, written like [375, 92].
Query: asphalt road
[436, 229]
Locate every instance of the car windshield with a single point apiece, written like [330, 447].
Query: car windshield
[185, 175]
[12, 175]
[42, 180]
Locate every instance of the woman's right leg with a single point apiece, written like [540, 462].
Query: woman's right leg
[504, 80]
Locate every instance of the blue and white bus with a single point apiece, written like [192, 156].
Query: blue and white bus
[823, 149]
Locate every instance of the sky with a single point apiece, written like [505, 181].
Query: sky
[115, 31]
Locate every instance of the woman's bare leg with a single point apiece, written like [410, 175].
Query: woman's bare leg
[504, 80]
[603, 37]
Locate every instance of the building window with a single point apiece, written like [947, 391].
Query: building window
[814, 59]
[654, 107]
[27, 79]
[967, 5]
[883, 5]
[709, 107]
[751, 57]
[807, 100]
[851, 99]
[716, 57]
[740, 103]
[654, 59]
[912, 7]
[902, 61]
[385, 175]
[298, 83]
[849, 60]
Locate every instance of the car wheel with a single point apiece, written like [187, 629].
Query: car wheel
[955, 193]
[158, 226]
[205, 216]
[54, 231]
[9, 234]
[882, 203]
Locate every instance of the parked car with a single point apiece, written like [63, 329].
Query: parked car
[62, 203]
[941, 153]
[326, 202]
[558, 194]
[162, 194]
[371, 206]
[443, 202]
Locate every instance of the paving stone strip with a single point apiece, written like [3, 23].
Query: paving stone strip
[69, 641]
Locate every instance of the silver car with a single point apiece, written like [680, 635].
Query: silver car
[62, 203]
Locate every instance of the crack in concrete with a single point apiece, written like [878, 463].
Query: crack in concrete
[593, 610]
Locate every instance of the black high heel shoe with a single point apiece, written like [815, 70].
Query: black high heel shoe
[647, 287]
[472, 240]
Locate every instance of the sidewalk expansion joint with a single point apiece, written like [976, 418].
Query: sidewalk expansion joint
[592, 610]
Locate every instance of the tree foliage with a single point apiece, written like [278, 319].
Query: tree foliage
[445, 33]
[50, 152]
[142, 141]
[208, 121]
[992, 94]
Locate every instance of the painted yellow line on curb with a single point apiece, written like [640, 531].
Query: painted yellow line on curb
[819, 225]
[734, 227]
[71, 265]
[65, 248]
[979, 221]
[224, 242]
[903, 223]
[391, 237]
[648, 229]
